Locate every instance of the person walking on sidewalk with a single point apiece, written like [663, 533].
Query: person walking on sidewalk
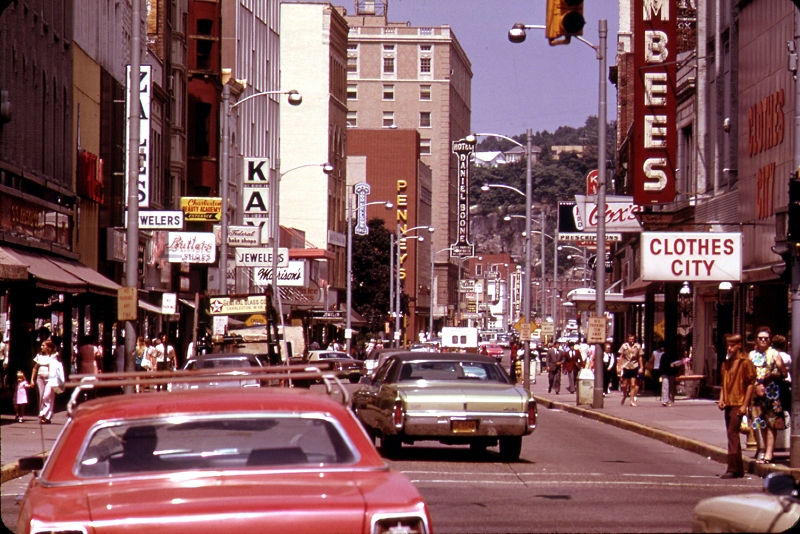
[630, 362]
[768, 416]
[21, 396]
[41, 373]
[738, 377]
[609, 363]
[572, 364]
[555, 358]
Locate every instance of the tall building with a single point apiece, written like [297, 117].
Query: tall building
[396, 174]
[402, 76]
[313, 57]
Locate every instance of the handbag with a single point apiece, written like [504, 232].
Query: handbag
[146, 363]
[744, 426]
[58, 373]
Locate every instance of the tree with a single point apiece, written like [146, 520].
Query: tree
[371, 275]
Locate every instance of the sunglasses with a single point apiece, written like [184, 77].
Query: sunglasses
[762, 338]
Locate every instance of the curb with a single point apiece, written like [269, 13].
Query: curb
[703, 449]
[12, 470]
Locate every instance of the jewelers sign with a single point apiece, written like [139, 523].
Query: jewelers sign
[691, 257]
[191, 247]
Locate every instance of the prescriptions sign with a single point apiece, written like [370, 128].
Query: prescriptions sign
[691, 257]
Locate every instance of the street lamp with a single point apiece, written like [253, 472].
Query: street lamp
[348, 324]
[294, 99]
[526, 290]
[400, 235]
[517, 35]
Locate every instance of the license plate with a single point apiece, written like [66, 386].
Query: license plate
[464, 427]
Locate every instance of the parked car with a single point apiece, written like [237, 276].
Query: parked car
[226, 363]
[376, 358]
[775, 510]
[504, 340]
[492, 349]
[453, 398]
[340, 362]
[252, 460]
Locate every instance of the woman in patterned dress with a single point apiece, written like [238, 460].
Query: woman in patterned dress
[767, 412]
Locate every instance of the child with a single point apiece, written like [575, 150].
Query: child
[20, 395]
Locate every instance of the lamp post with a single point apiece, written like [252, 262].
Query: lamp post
[348, 324]
[517, 35]
[295, 99]
[402, 235]
[132, 260]
[526, 290]
[543, 296]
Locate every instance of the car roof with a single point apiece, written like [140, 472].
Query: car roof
[226, 355]
[443, 356]
[207, 401]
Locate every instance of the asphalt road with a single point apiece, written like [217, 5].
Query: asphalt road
[575, 475]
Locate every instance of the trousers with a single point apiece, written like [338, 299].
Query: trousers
[732, 422]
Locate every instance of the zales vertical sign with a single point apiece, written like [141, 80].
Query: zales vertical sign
[462, 248]
[145, 95]
[655, 66]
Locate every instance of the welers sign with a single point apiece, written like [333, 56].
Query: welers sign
[691, 257]
[654, 150]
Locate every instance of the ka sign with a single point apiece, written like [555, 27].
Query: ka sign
[655, 139]
[691, 257]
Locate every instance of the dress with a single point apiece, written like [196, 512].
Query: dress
[21, 392]
[767, 408]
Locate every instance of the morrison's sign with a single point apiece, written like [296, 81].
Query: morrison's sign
[654, 147]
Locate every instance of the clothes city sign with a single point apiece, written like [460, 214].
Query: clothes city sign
[654, 151]
[462, 248]
[691, 257]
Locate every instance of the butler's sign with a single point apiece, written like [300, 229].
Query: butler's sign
[691, 257]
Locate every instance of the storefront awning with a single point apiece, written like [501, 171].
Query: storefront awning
[11, 269]
[585, 300]
[59, 274]
[640, 287]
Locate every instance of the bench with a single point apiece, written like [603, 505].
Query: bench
[695, 382]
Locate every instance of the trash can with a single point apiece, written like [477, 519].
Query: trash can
[585, 390]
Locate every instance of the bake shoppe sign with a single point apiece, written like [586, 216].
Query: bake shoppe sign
[655, 141]
[691, 257]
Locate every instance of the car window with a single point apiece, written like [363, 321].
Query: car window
[239, 441]
[451, 371]
[227, 362]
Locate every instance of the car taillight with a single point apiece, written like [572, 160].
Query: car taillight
[533, 414]
[392, 524]
[399, 414]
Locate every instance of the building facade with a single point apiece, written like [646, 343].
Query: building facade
[401, 76]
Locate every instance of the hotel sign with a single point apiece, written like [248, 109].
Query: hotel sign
[462, 248]
[654, 150]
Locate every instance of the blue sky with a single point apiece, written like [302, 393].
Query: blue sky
[528, 85]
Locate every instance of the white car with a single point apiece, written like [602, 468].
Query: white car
[775, 510]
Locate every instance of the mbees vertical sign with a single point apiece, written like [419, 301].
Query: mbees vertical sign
[655, 67]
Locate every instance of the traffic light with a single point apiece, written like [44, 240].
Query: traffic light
[793, 228]
[786, 251]
[564, 20]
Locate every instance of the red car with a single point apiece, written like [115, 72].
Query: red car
[249, 460]
[492, 349]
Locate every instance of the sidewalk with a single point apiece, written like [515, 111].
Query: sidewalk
[695, 425]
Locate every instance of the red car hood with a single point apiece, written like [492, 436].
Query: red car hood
[288, 502]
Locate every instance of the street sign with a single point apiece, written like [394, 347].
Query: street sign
[361, 189]
[596, 331]
[524, 331]
[127, 305]
[466, 286]
[169, 302]
[548, 329]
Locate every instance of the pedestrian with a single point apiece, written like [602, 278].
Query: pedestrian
[767, 412]
[779, 343]
[632, 368]
[609, 361]
[41, 373]
[555, 359]
[21, 396]
[54, 386]
[3, 361]
[88, 356]
[670, 366]
[513, 357]
[738, 375]
[572, 365]
[314, 345]
[654, 364]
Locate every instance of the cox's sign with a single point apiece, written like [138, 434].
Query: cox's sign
[691, 257]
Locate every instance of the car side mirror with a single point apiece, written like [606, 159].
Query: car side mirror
[779, 484]
[31, 463]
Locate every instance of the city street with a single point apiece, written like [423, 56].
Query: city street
[575, 475]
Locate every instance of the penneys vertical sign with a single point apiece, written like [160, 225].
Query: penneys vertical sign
[462, 248]
[655, 131]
